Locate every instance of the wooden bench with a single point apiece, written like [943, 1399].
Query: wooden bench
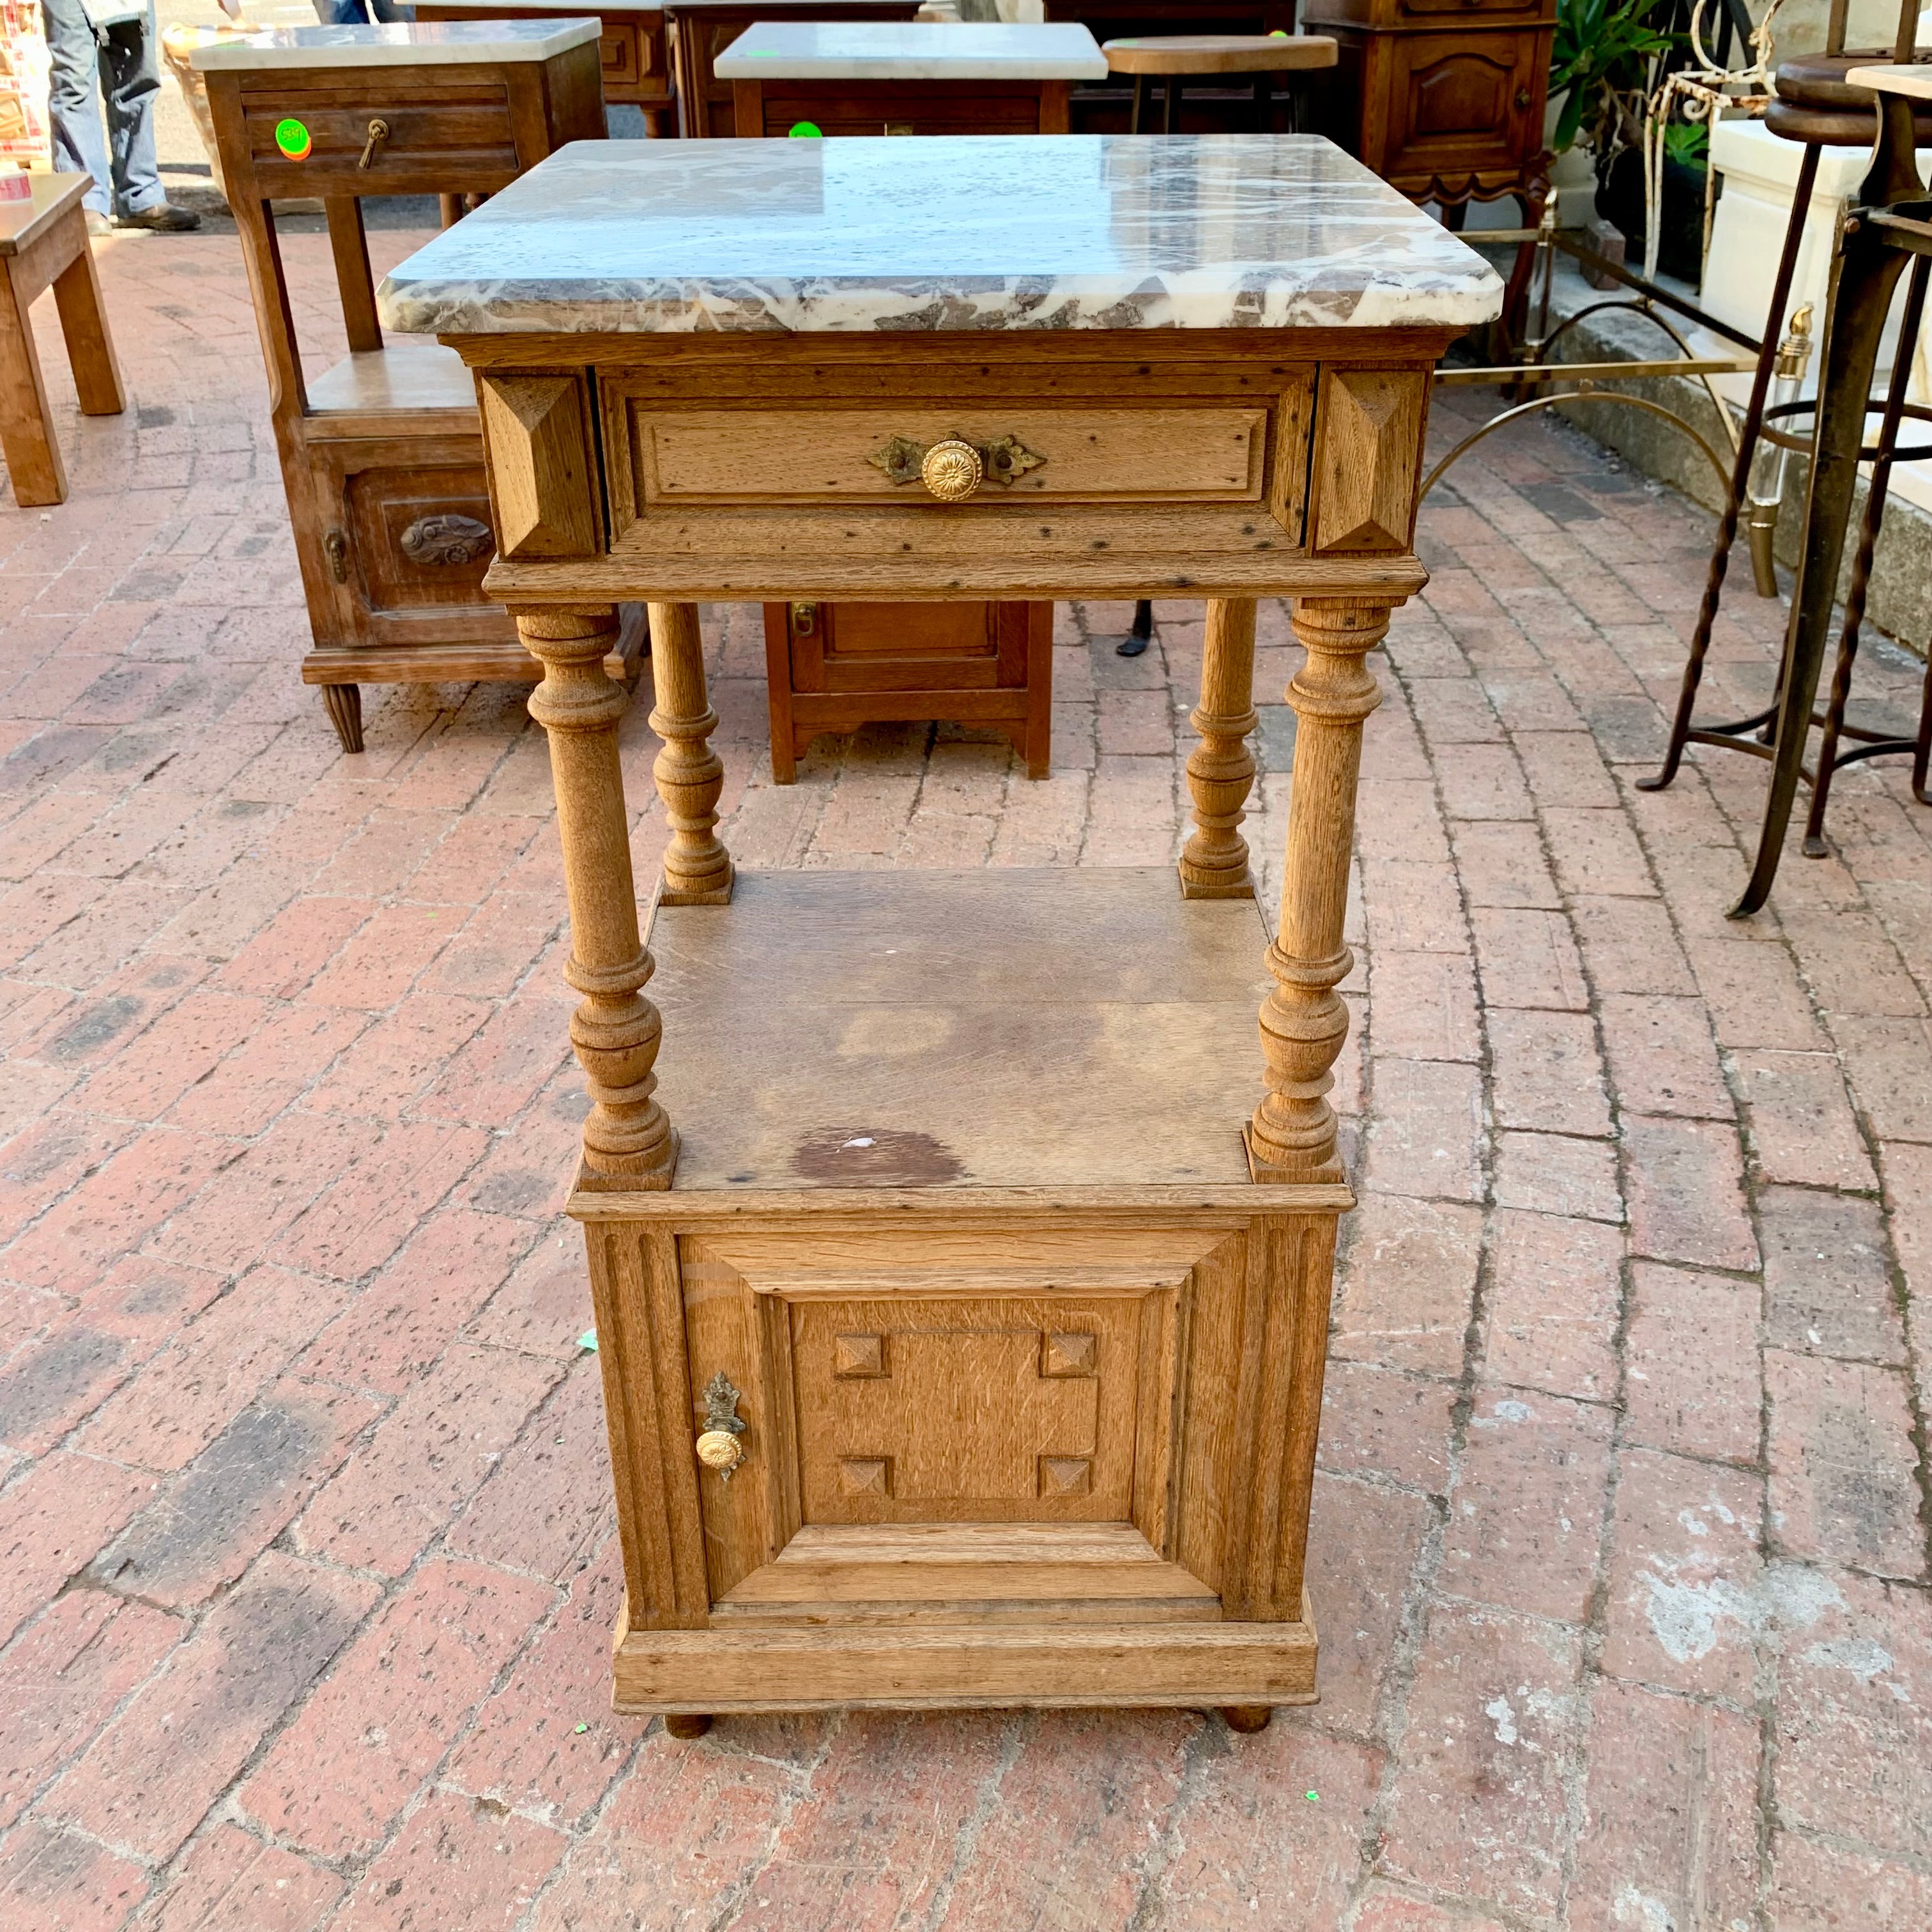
[43, 245]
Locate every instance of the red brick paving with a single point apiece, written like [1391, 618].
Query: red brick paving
[1621, 1534]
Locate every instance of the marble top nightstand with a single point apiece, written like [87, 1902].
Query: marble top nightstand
[910, 50]
[1111, 232]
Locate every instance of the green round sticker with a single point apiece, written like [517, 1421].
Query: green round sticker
[806, 130]
[293, 139]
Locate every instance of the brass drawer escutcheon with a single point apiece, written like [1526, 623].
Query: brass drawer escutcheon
[954, 467]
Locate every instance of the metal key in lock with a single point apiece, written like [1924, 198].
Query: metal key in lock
[378, 133]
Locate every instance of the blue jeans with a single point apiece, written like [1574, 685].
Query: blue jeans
[121, 65]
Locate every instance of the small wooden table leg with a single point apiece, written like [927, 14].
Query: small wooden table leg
[26, 435]
[1221, 769]
[1292, 1136]
[343, 704]
[686, 1725]
[627, 1142]
[690, 775]
[1246, 1718]
[83, 320]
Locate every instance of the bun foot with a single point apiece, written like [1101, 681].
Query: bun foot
[1246, 1716]
[687, 1725]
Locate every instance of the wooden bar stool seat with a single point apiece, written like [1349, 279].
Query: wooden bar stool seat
[1175, 59]
[43, 245]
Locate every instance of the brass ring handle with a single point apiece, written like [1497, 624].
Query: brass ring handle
[378, 133]
[951, 470]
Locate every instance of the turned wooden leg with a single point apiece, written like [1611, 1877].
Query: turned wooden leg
[343, 704]
[627, 1143]
[1292, 1136]
[690, 774]
[1246, 1718]
[1221, 770]
[685, 1724]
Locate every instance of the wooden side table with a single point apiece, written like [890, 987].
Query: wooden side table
[918, 77]
[700, 30]
[383, 453]
[43, 245]
[831, 668]
[961, 1316]
[1443, 99]
[633, 49]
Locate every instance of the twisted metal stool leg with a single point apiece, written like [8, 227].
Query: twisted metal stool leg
[1862, 564]
[1681, 730]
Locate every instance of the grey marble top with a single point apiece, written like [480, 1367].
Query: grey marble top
[438, 44]
[910, 50]
[1059, 231]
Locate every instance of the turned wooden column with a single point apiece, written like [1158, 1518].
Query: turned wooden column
[1304, 1020]
[627, 1142]
[1221, 769]
[690, 775]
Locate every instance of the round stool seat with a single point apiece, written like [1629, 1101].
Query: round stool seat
[1814, 105]
[1191, 55]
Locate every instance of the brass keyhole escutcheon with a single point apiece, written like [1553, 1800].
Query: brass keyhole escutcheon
[951, 470]
[378, 133]
[719, 1447]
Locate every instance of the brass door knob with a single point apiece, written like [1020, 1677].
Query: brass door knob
[951, 470]
[719, 1449]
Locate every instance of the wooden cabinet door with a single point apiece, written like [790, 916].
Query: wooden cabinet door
[1463, 104]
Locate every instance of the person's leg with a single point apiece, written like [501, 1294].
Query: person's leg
[342, 13]
[131, 78]
[72, 63]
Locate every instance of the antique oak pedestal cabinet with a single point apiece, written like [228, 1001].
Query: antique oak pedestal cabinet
[962, 1268]
[381, 458]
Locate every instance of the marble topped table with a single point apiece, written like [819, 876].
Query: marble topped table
[961, 1279]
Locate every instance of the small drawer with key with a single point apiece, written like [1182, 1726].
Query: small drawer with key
[371, 143]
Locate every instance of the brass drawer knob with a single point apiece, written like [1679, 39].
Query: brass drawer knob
[951, 470]
[378, 133]
[718, 1448]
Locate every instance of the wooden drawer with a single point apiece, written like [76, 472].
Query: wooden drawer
[456, 136]
[806, 455]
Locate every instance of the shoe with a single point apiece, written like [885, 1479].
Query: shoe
[98, 223]
[161, 219]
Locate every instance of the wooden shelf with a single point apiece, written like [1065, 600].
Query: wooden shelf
[405, 377]
[1087, 1027]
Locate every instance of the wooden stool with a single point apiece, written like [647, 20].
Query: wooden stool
[1177, 58]
[43, 245]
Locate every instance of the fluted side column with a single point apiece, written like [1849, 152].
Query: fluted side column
[1221, 769]
[690, 775]
[627, 1142]
[1304, 1020]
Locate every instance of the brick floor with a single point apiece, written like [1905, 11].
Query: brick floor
[1621, 1555]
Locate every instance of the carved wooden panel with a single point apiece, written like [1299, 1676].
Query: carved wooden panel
[972, 1410]
[540, 465]
[1368, 444]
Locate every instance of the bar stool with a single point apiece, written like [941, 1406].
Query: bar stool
[1817, 105]
[1175, 59]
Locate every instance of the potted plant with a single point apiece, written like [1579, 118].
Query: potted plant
[1608, 55]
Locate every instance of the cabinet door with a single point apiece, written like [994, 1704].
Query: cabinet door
[1463, 104]
[877, 647]
[407, 534]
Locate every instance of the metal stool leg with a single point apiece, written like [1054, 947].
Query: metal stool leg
[1921, 753]
[1727, 524]
[1863, 276]
[1862, 564]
